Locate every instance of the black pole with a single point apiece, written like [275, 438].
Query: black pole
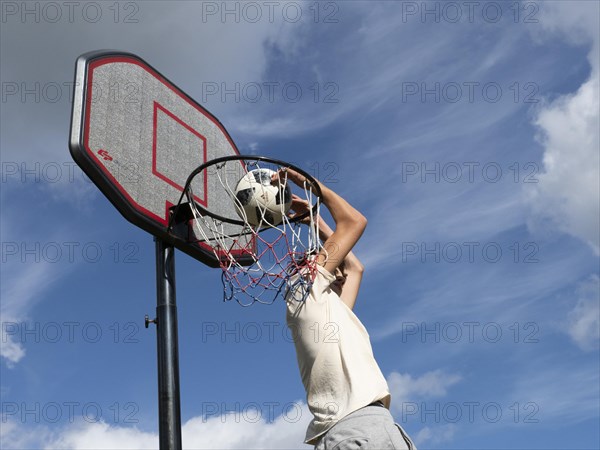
[169, 411]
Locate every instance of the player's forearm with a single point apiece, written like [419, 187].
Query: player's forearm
[351, 261]
[342, 212]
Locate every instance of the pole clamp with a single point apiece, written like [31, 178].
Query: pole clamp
[147, 321]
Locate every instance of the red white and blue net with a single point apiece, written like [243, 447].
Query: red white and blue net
[276, 257]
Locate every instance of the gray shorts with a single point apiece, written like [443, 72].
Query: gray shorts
[371, 427]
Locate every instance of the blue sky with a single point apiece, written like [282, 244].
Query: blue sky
[468, 136]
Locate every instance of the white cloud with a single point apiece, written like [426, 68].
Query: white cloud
[568, 192]
[14, 436]
[584, 319]
[231, 431]
[102, 436]
[405, 387]
[11, 350]
[575, 20]
[225, 431]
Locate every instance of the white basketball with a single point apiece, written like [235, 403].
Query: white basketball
[259, 202]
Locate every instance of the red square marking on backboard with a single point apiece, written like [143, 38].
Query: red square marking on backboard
[158, 109]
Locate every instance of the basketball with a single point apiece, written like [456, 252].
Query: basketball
[259, 202]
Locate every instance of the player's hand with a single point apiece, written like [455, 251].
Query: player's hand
[284, 174]
[299, 207]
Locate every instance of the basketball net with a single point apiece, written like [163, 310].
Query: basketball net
[283, 256]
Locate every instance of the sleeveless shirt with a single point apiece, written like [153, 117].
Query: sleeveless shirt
[333, 349]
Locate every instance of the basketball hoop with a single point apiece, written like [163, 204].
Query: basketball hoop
[259, 260]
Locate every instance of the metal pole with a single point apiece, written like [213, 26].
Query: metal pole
[169, 410]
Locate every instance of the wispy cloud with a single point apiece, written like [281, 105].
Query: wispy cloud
[368, 81]
[433, 384]
[405, 387]
[27, 275]
[22, 287]
[566, 393]
[480, 291]
[584, 320]
[435, 434]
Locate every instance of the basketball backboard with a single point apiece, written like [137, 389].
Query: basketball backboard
[138, 137]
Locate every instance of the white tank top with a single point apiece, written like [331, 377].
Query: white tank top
[335, 357]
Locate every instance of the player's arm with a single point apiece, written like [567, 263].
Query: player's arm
[353, 269]
[349, 227]
[349, 223]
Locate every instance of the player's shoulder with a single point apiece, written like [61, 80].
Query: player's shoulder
[309, 282]
[325, 274]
